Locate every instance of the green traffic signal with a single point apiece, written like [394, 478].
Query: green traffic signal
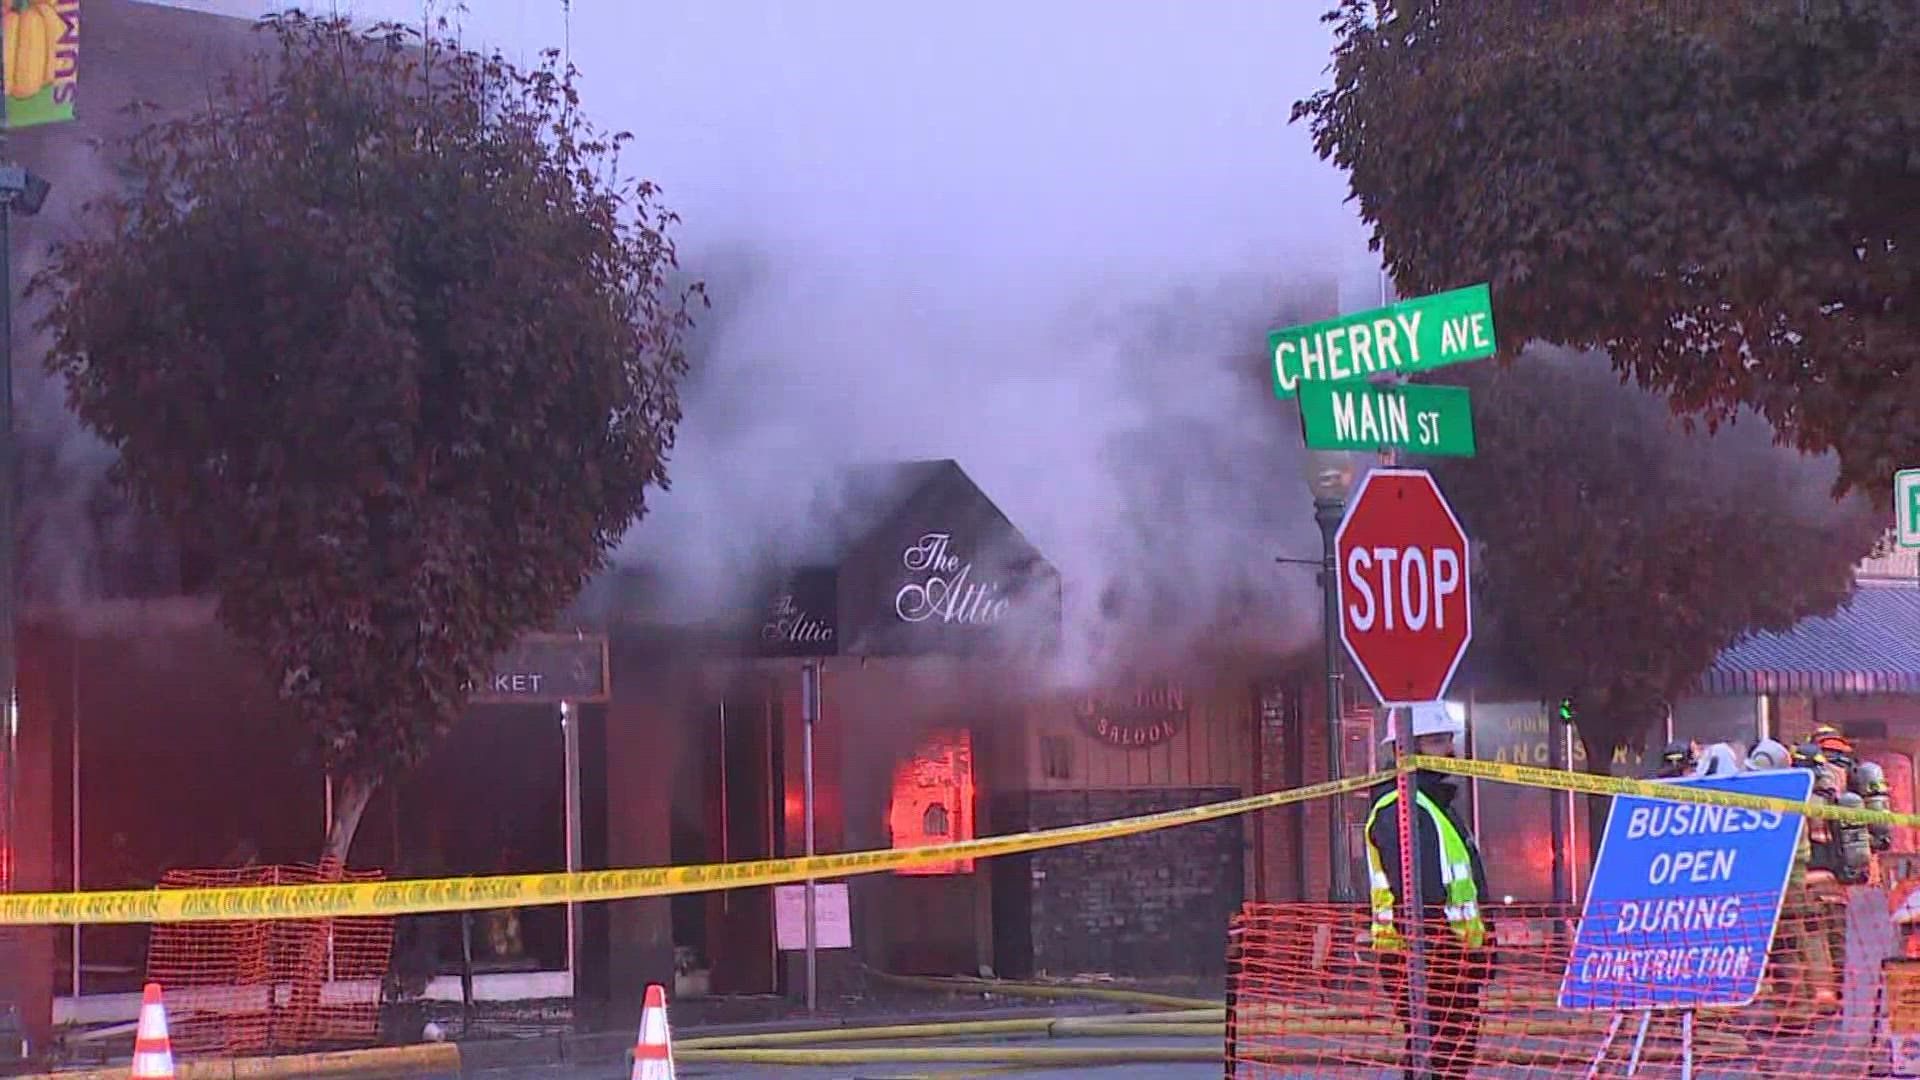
[1566, 710]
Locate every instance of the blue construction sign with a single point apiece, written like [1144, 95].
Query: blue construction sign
[1685, 898]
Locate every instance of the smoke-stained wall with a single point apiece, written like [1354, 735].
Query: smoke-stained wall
[78, 539]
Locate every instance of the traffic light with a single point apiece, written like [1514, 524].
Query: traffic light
[1566, 710]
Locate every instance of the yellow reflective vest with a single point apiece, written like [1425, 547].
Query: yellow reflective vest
[1462, 902]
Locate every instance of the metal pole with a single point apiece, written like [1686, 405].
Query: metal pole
[1327, 513]
[1473, 782]
[74, 708]
[1557, 823]
[326, 827]
[570, 735]
[1573, 816]
[9, 800]
[1414, 904]
[809, 715]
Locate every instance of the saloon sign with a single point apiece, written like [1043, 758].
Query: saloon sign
[1151, 717]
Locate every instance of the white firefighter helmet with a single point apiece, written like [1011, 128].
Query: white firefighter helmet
[1720, 759]
[1425, 718]
[1769, 754]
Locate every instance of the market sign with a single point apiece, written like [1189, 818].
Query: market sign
[1399, 339]
[548, 669]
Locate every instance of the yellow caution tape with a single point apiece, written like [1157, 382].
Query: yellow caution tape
[1587, 783]
[422, 896]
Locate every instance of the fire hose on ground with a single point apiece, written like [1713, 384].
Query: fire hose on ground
[819, 1048]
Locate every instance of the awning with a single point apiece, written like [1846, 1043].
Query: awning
[918, 562]
[1869, 646]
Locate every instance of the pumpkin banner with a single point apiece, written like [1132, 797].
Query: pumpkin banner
[40, 43]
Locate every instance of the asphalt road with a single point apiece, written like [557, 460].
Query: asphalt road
[1145, 1071]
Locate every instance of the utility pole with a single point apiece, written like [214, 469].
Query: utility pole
[22, 191]
[1327, 513]
[1330, 476]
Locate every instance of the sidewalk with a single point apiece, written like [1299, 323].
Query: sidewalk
[533, 1034]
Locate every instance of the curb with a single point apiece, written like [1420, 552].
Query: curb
[450, 1059]
[426, 1059]
[613, 1047]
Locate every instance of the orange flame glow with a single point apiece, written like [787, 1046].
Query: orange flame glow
[932, 801]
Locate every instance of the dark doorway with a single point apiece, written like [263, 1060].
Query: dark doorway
[729, 935]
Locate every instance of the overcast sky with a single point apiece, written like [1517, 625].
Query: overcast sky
[1018, 233]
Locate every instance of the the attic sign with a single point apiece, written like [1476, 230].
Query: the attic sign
[942, 587]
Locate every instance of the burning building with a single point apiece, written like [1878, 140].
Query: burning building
[646, 734]
[652, 732]
[933, 622]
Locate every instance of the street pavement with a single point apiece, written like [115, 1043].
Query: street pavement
[1144, 1071]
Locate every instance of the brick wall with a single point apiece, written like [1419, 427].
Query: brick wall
[1152, 904]
[1283, 711]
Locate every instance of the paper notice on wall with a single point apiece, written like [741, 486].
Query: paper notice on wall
[833, 928]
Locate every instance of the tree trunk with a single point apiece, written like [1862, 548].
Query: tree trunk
[351, 794]
[297, 1026]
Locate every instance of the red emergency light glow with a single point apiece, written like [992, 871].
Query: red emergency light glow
[932, 801]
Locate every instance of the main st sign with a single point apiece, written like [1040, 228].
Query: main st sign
[1404, 581]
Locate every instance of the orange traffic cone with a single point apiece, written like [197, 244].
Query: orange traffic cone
[653, 1051]
[152, 1050]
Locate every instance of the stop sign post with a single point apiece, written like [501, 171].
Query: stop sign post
[1403, 580]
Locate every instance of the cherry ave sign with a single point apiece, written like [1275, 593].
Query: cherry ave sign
[1405, 614]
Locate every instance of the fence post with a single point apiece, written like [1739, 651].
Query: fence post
[1236, 929]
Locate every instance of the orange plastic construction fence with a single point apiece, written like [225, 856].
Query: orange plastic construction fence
[1308, 996]
[265, 987]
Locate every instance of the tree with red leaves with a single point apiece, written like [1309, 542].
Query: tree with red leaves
[385, 334]
[1719, 195]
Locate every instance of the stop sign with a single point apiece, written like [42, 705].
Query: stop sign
[1403, 583]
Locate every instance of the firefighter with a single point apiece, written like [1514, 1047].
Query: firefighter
[1870, 783]
[1846, 856]
[1837, 748]
[1679, 759]
[1801, 908]
[1453, 881]
[1769, 755]
[1791, 955]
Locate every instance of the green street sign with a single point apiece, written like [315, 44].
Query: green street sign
[1413, 335]
[1906, 506]
[1419, 419]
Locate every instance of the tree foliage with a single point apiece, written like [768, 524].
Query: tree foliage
[384, 333]
[1622, 553]
[1721, 195]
